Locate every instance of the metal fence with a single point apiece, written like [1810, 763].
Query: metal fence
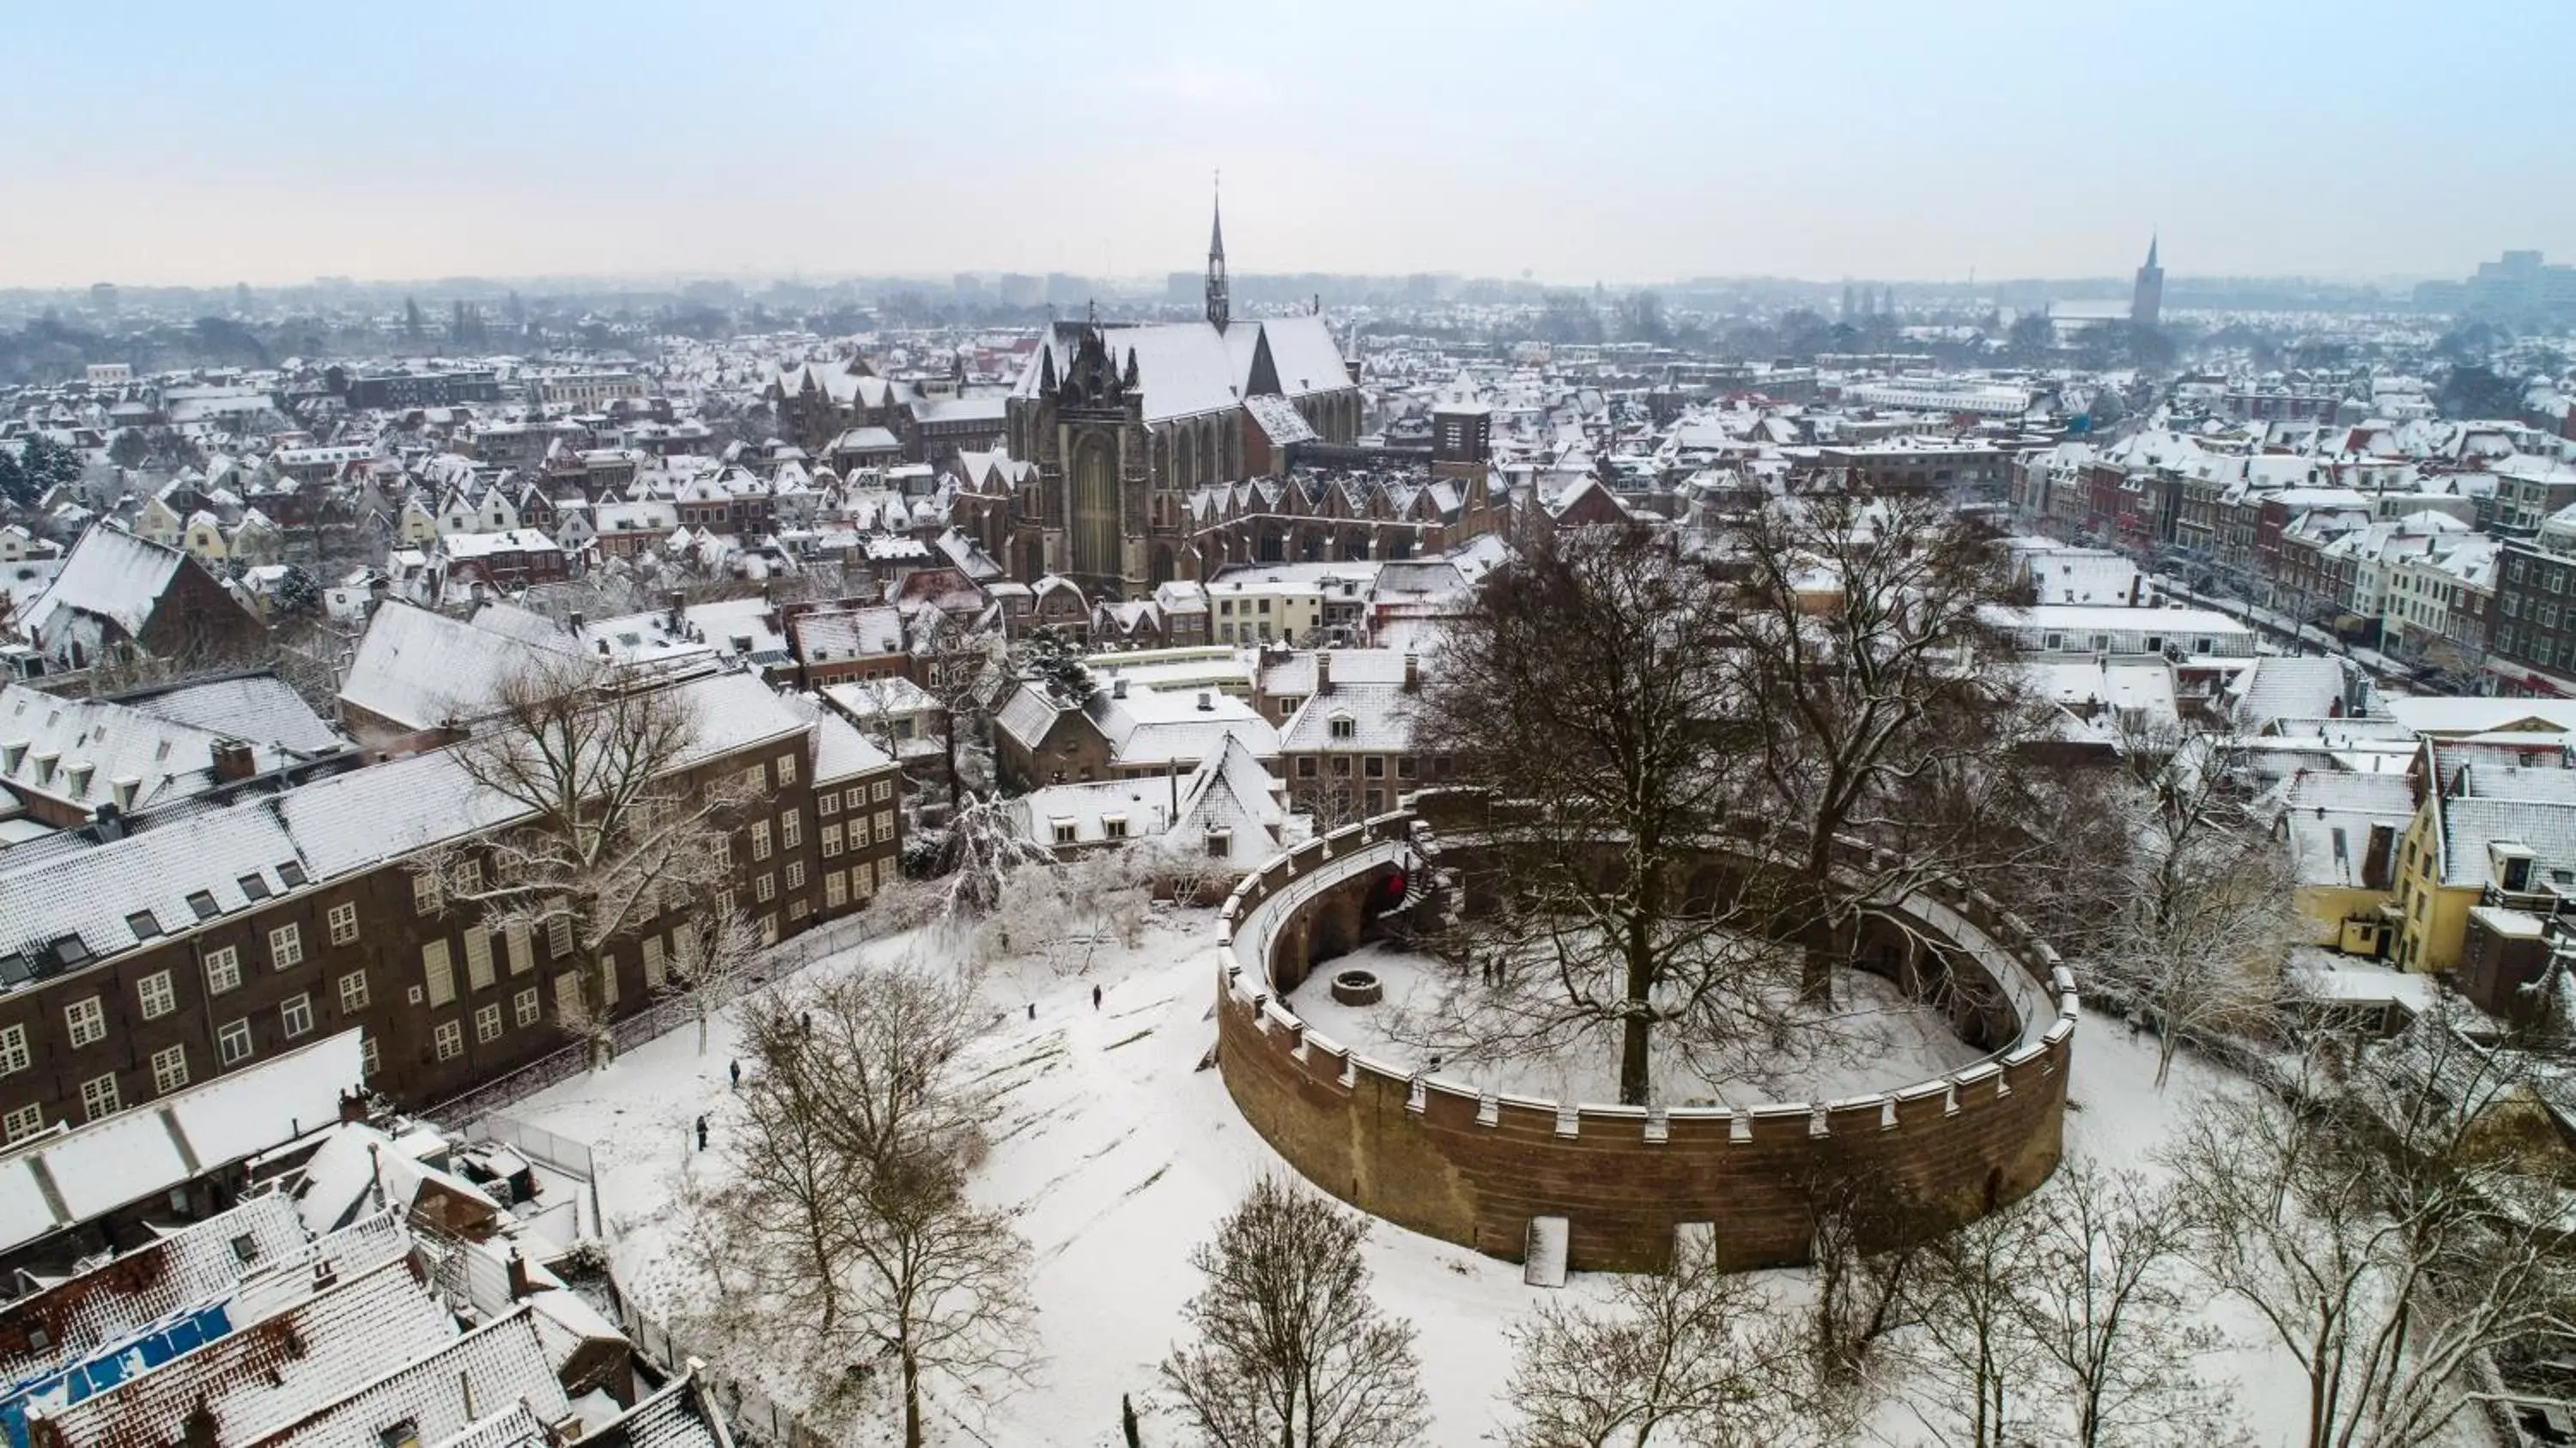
[572, 1158]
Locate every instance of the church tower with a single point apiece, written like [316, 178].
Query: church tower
[1220, 308]
[2147, 298]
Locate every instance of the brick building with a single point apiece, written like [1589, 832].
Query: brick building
[171, 946]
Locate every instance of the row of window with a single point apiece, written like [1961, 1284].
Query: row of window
[233, 1045]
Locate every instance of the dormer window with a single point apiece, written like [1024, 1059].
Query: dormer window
[1343, 727]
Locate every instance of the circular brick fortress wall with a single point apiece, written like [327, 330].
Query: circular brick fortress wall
[1475, 1167]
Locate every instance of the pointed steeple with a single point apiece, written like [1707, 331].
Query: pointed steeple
[1219, 306]
[2151, 250]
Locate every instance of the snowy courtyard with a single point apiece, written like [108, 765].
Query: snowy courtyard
[1116, 1154]
[1871, 1039]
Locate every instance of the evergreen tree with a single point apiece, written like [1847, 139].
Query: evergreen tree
[1054, 662]
[412, 330]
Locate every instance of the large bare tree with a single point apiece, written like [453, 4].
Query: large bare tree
[1590, 687]
[1289, 1350]
[1856, 622]
[858, 1132]
[611, 832]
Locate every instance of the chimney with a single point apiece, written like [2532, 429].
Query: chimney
[353, 1106]
[125, 787]
[1207, 702]
[577, 620]
[233, 761]
[676, 612]
[109, 823]
[1412, 671]
[1118, 688]
[520, 1286]
[1323, 671]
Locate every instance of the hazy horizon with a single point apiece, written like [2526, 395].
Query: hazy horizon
[274, 144]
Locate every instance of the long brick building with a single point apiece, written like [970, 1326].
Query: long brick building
[145, 951]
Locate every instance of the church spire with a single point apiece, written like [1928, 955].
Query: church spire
[2151, 249]
[1219, 305]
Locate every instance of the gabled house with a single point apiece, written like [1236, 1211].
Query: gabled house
[120, 592]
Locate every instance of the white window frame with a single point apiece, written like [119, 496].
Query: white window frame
[487, 1023]
[26, 1121]
[286, 946]
[99, 1098]
[169, 1069]
[223, 969]
[343, 920]
[526, 1006]
[353, 992]
[155, 996]
[449, 1040]
[14, 1055]
[295, 1015]
[85, 1021]
[233, 1043]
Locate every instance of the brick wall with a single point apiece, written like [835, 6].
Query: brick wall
[1437, 1157]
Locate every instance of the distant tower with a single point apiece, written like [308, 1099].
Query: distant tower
[2147, 299]
[1219, 307]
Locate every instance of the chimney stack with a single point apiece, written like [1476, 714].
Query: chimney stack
[233, 761]
[577, 620]
[520, 1286]
[1207, 702]
[1412, 671]
[1323, 671]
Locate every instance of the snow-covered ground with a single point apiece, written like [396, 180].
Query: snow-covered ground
[1117, 1154]
[1881, 1041]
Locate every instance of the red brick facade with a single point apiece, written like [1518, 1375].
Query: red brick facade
[1438, 1158]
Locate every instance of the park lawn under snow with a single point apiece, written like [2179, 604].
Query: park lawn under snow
[1117, 1155]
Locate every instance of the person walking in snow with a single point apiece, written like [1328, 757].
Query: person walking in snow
[736, 1068]
[1095, 997]
[702, 1133]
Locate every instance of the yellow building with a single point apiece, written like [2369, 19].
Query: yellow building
[2496, 825]
[2344, 831]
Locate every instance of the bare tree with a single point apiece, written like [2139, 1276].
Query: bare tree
[784, 1224]
[1854, 623]
[2200, 916]
[2104, 1291]
[1288, 1348]
[1694, 1349]
[713, 954]
[611, 834]
[2386, 1219]
[1967, 1336]
[1864, 1236]
[858, 1080]
[1589, 686]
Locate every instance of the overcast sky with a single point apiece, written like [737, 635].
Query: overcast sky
[195, 143]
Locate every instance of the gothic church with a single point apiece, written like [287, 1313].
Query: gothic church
[1118, 424]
